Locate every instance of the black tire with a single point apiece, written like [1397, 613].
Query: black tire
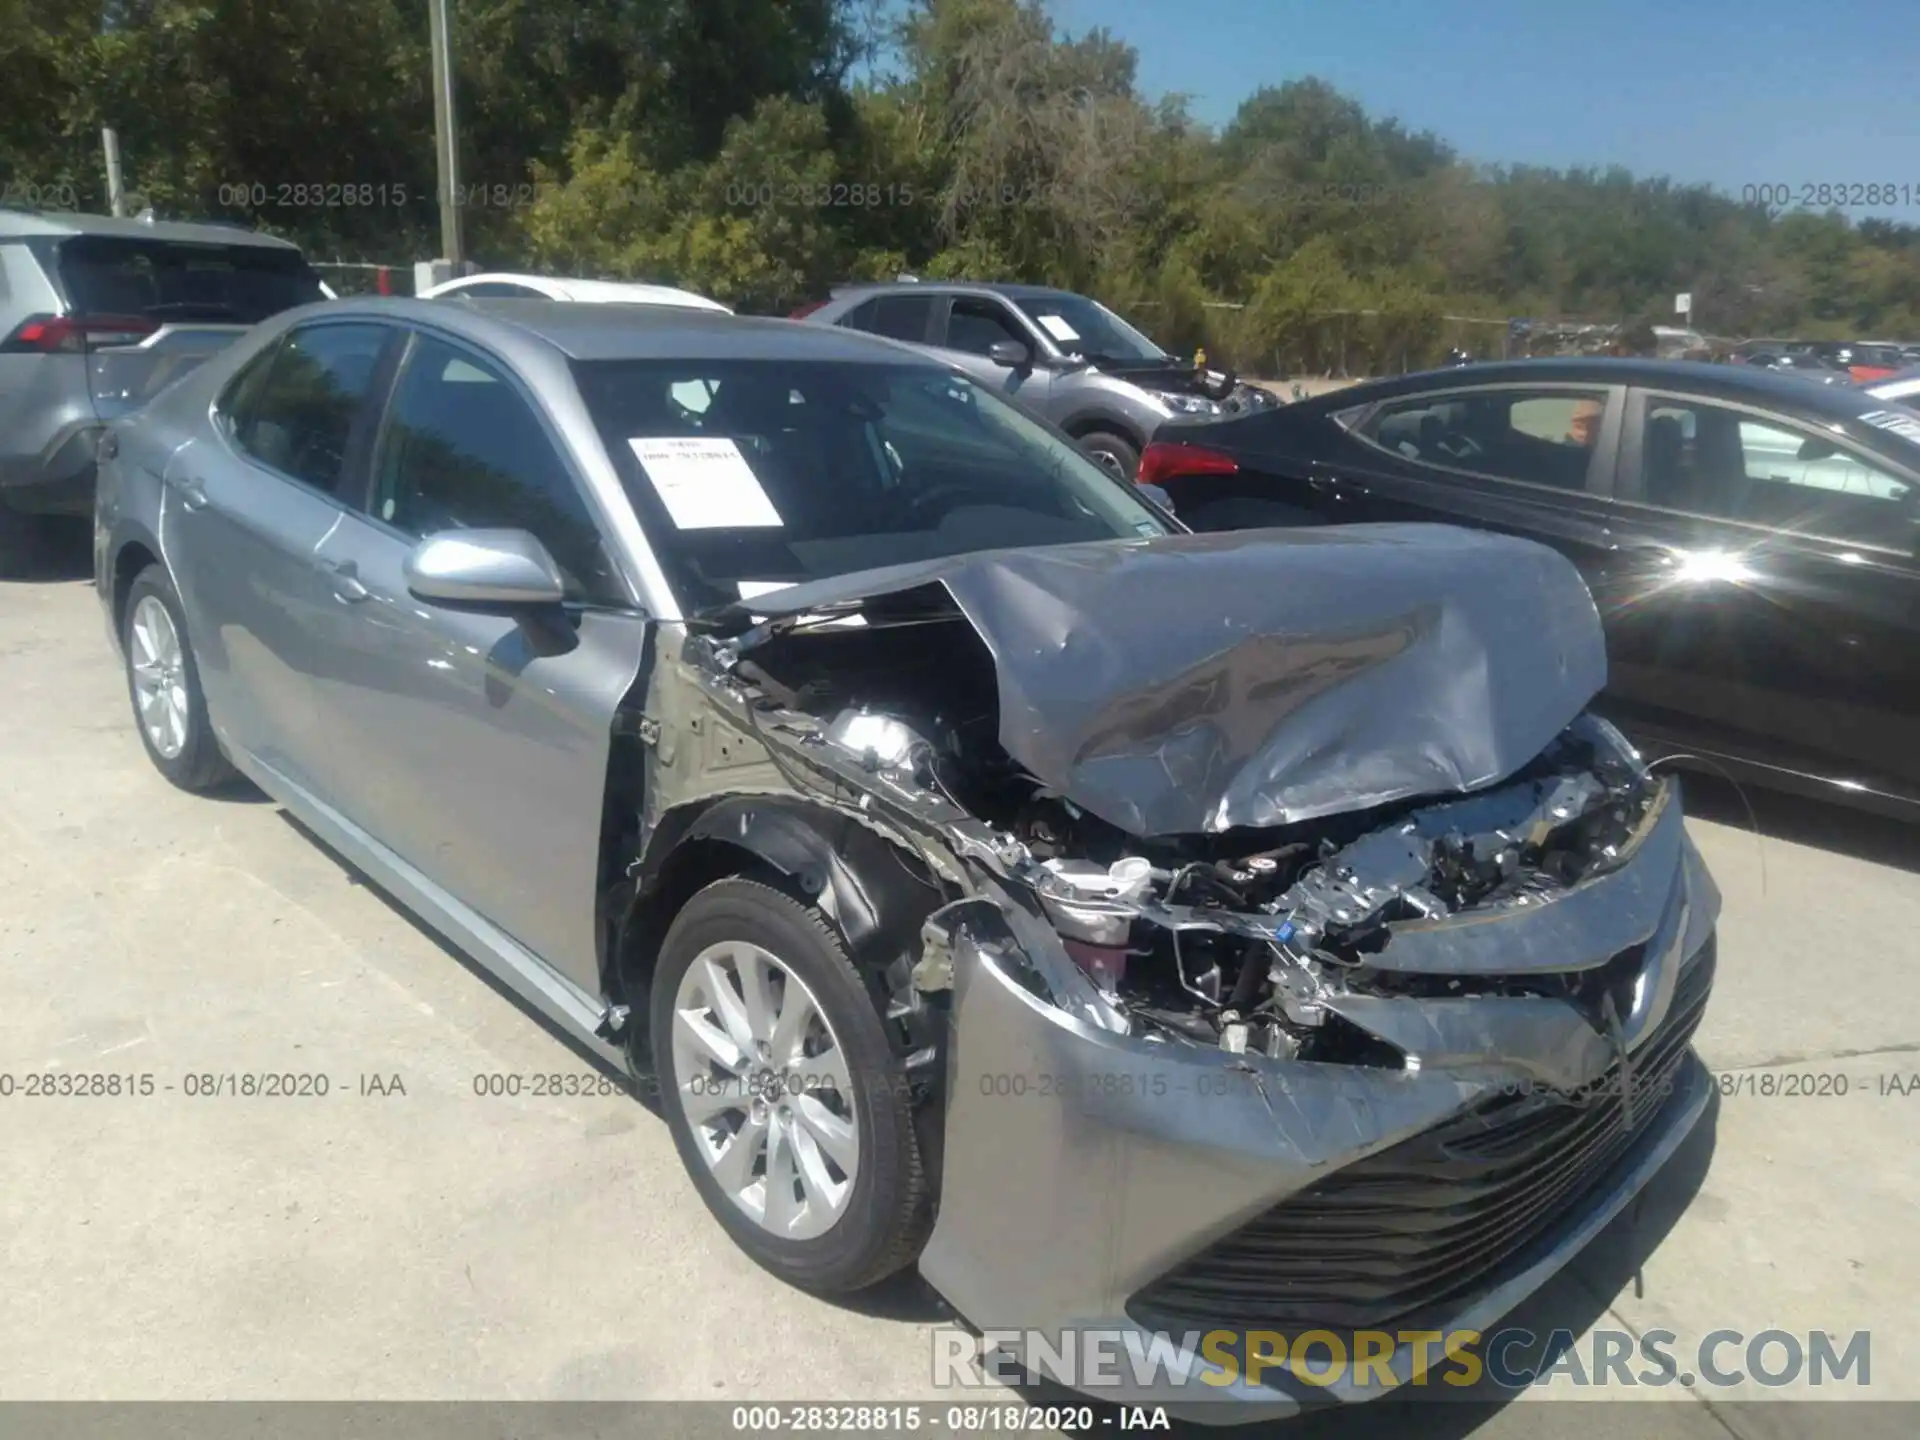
[1111, 452]
[889, 1211]
[200, 766]
[1245, 513]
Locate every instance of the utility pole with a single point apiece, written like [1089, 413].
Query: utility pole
[446, 136]
[116, 190]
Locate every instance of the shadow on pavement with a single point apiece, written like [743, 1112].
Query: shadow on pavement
[45, 549]
[1802, 820]
[357, 877]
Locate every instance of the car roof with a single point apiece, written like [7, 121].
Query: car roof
[18, 224]
[1005, 289]
[627, 331]
[603, 292]
[1732, 382]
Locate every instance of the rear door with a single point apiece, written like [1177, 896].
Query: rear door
[188, 301]
[1531, 460]
[244, 511]
[1764, 600]
[476, 746]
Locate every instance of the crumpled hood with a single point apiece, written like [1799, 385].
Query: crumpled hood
[1185, 684]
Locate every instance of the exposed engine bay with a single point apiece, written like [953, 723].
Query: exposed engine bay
[1240, 939]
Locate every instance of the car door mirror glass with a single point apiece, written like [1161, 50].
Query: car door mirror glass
[485, 570]
[1010, 353]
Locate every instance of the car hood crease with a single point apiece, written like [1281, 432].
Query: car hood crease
[1187, 684]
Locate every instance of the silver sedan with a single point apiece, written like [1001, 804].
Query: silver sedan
[1141, 931]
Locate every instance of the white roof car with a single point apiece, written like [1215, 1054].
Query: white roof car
[1902, 387]
[591, 292]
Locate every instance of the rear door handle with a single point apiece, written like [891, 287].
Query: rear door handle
[192, 493]
[346, 582]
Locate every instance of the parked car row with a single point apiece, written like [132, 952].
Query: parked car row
[966, 851]
[1862, 362]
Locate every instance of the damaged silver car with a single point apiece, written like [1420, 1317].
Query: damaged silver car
[1135, 929]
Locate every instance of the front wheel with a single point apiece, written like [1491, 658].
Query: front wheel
[1113, 453]
[788, 1106]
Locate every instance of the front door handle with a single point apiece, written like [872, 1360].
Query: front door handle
[192, 493]
[346, 582]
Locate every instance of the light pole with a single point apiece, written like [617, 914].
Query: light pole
[445, 135]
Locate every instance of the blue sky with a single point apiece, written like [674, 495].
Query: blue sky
[1729, 92]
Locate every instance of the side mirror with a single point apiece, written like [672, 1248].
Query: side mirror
[1010, 353]
[484, 570]
[1817, 450]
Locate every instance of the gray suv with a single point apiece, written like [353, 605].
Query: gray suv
[1065, 356]
[99, 313]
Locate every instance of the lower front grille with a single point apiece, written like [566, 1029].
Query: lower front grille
[1429, 1218]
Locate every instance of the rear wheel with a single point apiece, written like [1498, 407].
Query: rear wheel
[1115, 454]
[168, 706]
[786, 1101]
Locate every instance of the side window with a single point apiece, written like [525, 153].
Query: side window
[1541, 436]
[294, 409]
[861, 316]
[976, 326]
[901, 317]
[461, 449]
[1729, 465]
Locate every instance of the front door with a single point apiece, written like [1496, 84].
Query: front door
[1764, 600]
[974, 325]
[478, 743]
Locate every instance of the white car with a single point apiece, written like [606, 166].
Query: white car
[591, 292]
[1902, 387]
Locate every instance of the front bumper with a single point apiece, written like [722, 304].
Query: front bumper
[1081, 1166]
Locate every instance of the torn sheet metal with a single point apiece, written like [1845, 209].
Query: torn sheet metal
[1188, 684]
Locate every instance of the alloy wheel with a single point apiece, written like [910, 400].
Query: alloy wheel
[766, 1089]
[159, 677]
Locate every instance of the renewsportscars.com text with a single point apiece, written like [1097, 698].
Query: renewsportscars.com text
[1512, 1358]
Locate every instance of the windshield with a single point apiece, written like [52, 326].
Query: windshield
[172, 281]
[753, 474]
[1080, 326]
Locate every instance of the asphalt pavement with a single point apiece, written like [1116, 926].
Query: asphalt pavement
[409, 1236]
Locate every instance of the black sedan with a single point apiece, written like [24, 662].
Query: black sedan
[1752, 541]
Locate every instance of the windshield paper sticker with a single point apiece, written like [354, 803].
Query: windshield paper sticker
[1058, 329]
[705, 483]
[1907, 427]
